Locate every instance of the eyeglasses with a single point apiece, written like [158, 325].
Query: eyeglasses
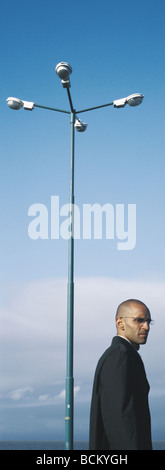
[141, 321]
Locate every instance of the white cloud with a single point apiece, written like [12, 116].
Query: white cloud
[20, 393]
[43, 398]
[62, 393]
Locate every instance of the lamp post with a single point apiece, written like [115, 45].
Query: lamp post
[64, 70]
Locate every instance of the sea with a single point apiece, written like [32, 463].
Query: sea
[56, 445]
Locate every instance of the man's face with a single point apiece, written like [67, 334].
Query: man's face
[135, 324]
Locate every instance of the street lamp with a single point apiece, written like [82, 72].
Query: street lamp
[64, 70]
[132, 100]
[15, 103]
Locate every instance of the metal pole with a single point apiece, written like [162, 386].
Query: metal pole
[69, 401]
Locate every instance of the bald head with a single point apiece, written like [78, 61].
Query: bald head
[133, 321]
[126, 307]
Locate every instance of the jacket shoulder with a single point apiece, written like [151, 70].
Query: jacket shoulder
[118, 350]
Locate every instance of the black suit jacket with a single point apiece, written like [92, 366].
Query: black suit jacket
[119, 416]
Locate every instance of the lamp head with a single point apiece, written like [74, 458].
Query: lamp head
[135, 99]
[80, 126]
[14, 103]
[64, 70]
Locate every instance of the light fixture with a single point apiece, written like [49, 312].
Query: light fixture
[133, 100]
[16, 104]
[80, 126]
[64, 70]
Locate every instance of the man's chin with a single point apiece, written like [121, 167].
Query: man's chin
[143, 339]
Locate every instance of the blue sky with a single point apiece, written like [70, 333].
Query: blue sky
[115, 49]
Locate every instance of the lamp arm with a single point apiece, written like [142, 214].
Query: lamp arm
[51, 109]
[95, 107]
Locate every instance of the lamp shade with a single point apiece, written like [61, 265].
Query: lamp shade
[63, 70]
[135, 99]
[14, 103]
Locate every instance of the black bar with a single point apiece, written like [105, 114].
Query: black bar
[70, 100]
[33, 459]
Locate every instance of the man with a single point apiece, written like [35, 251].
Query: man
[120, 417]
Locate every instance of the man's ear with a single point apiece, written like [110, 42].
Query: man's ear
[120, 323]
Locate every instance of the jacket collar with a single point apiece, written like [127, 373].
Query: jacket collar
[126, 339]
[120, 339]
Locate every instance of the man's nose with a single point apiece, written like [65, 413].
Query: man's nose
[146, 325]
